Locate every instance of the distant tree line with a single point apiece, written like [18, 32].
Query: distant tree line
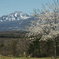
[12, 34]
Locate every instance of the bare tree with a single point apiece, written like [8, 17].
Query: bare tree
[48, 23]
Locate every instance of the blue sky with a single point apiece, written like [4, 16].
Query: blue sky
[26, 6]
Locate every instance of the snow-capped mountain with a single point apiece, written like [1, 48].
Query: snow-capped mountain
[19, 20]
[15, 21]
[14, 16]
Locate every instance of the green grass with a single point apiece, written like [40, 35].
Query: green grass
[4, 57]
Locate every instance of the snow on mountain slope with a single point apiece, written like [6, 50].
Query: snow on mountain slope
[14, 16]
[15, 21]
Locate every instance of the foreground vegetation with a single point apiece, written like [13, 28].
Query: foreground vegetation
[4, 57]
[31, 47]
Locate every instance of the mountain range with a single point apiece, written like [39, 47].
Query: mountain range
[15, 21]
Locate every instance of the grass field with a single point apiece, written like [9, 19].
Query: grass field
[4, 57]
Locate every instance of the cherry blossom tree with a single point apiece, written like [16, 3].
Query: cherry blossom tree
[48, 23]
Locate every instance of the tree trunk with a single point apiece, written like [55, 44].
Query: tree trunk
[55, 49]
